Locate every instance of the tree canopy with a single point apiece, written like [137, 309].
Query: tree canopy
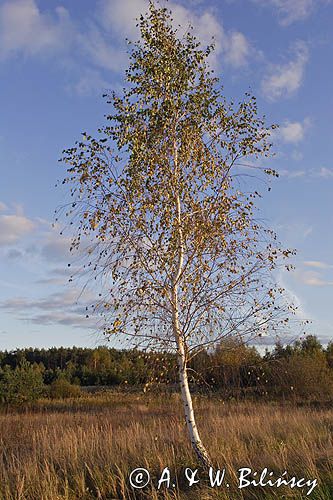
[162, 183]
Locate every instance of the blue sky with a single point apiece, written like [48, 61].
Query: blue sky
[56, 60]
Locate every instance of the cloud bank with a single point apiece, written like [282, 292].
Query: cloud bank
[283, 80]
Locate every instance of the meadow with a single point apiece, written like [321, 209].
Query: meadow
[85, 448]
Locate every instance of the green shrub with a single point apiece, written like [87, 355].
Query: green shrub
[304, 375]
[21, 385]
[61, 388]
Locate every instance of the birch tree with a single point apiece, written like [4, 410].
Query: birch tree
[175, 243]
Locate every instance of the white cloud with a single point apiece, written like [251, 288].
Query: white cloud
[317, 264]
[2, 206]
[55, 248]
[292, 174]
[24, 30]
[326, 173]
[45, 243]
[293, 132]
[13, 228]
[237, 50]
[290, 11]
[284, 80]
[307, 231]
[91, 81]
[63, 308]
[14, 253]
[27, 30]
[100, 50]
[297, 155]
[292, 297]
[118, 16]
[297, 230]
[313, 278]
[64, 319]
[322, 173]
[54, 301]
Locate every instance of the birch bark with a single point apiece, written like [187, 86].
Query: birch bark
[197, 444]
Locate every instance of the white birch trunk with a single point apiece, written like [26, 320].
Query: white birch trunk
[197, 445]
[196, 442]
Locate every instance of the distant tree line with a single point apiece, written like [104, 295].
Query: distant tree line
[303, 370]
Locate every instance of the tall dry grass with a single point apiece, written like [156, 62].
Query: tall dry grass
[86, 448]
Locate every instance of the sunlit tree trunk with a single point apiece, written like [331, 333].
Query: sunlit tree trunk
[196, 442]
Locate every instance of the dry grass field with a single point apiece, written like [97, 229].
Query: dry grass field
[86, 448]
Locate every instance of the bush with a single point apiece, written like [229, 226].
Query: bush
[21, 385]
[62, 389]
[303, 375]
